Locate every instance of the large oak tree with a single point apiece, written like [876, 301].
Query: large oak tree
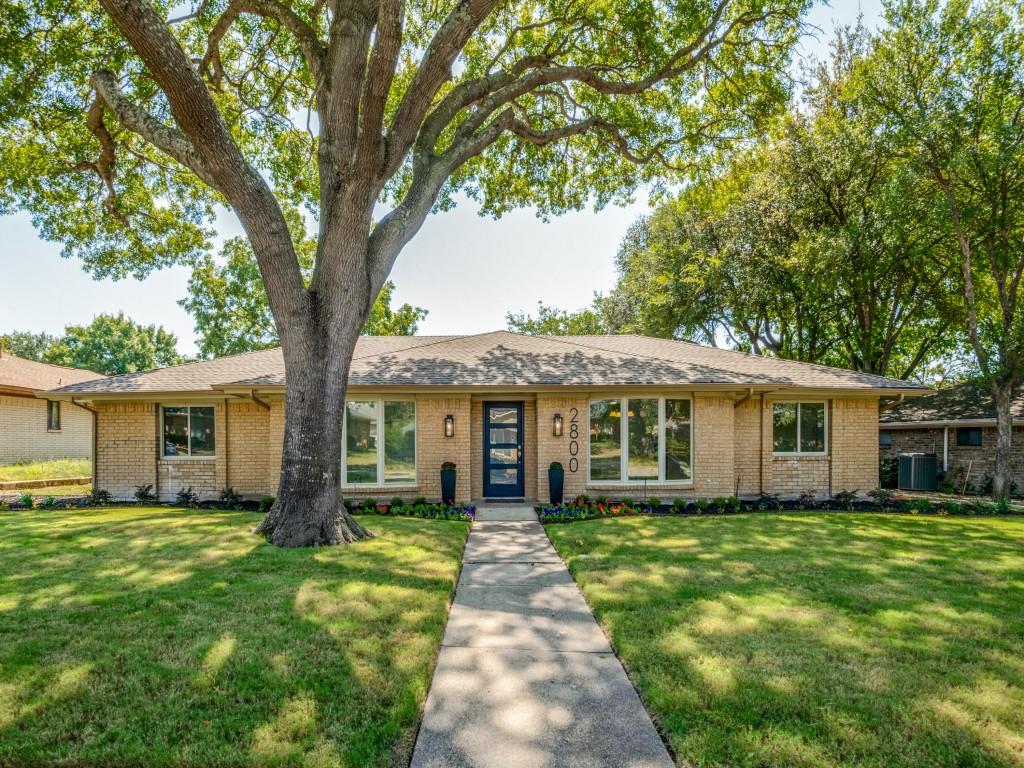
[126, 121]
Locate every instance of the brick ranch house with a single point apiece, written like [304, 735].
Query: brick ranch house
[625, 415]
[958, 425]
[33, 429]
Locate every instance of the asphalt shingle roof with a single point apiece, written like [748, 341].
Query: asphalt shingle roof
[964, 402]
[19, 373]
[503, 358]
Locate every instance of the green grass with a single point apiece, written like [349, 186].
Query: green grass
[46, 470]
[818, 639]
[161, 636]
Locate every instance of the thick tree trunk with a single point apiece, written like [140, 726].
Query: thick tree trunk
[308, 510]
[1004, 441]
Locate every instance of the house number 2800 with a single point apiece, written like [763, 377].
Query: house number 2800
[574, 439]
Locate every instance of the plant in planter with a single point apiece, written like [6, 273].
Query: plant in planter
[556, 481]
[448, 482]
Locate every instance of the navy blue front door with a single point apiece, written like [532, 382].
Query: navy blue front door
[503, 450]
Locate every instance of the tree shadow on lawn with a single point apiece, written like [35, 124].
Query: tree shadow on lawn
[165, 637]
[817, 640]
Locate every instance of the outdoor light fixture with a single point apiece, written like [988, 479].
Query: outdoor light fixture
[449, 426]
[556, 428]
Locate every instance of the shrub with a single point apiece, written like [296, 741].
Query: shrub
[556, 465]
[266, 502]
[679, 505]
[654, 501]
[4, 506]
[448, 465]
[369, 503]
[628, 502]
[845, 499]
[767, 501]
[806, 501]
[888, 472]
[419, 500]
[1001, 506]
[49, 502]
[25, 500]
[396, 501]
[732, 504]
[720, 504]
[701, 505]
[602, 500]
[229, 499]
[99, 496]
[188, 498]
[144, 494]
[954, 508]
[920, 506]
[883, 497]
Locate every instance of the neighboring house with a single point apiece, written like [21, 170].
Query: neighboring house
[625, 415]
[958, 425]
[36, 430]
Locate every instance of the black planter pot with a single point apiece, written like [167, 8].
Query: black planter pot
[556, 482]
[448, 486]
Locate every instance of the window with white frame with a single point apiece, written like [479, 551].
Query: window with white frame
[799, 428]
[637, 439]
[379, 446]
[188, 431]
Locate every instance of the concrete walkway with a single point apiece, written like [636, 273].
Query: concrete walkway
[525, 676]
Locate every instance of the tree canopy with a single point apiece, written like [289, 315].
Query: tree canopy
[110, 344]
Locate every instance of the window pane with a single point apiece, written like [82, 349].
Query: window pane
[504, 435]
[361, 441]
[507, 476]
[399, 442]
[605, 446]
[784, 428]
[677, 440]
[504, 456]
[642, 442]
[812, 427]
[500, 415]
[202, 431]
[53, 414]
[175, 431]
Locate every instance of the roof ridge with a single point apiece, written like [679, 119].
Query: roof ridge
[440, 340]
[188, 363]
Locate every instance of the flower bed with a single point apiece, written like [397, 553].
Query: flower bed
[583, 508]
[421, 509]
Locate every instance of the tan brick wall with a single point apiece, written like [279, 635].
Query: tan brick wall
[433, 448]
[24, 436]
[253, 459]
[747, 445]
[796, 475]
[275, 442]
[126, 447]
[560, 449]
[854, 438]
[476, 448]
[207, 477]
[714, 445]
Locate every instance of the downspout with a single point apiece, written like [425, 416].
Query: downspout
[945, 448]
[95, 439]
[156, 454]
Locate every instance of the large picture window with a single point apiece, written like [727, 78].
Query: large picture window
[799, 428]
[379, 446]
[189, 431]
[637, 439]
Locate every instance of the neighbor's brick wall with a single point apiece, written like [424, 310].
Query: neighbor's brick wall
[854, 439]
[126, 446]
[24, 436]
[980, 460]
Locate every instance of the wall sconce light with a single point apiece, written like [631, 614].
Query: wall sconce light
[449, 426]
[556, 428]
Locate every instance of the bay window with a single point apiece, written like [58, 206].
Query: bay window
[799, 428]
[637, 439]
[379, 443]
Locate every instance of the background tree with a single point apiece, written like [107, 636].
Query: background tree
[816, 246]
[551, 321]
[227, 300]
[951, 80]
[122, 128]
[110, 344]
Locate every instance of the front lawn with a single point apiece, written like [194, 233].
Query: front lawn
[816, 639]
[162, 636]
[45, 470]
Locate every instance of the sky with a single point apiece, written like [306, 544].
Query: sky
[468, 271]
